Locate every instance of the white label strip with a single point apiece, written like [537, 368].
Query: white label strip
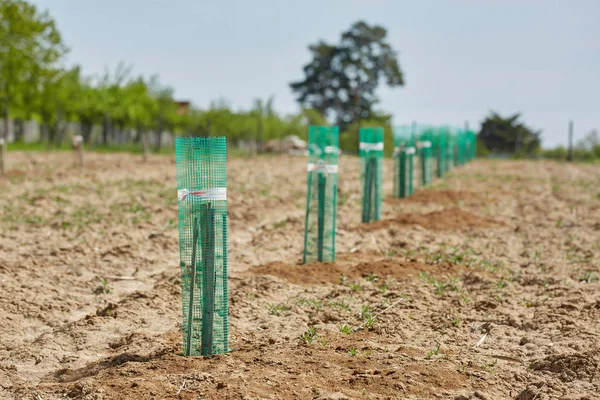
[327, 168]
[208, 194]
[327, 150]
[409, 150]
[424, 144]
[371, 146]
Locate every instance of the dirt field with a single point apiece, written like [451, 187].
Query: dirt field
[484, 286]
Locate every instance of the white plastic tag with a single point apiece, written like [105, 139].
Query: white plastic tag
[208, 194]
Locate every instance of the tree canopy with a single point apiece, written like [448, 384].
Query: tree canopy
[341, 79]
[508, 135]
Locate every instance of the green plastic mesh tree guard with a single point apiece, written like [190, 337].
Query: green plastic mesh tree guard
[371, 156]
[439, 149]
[450, 149]
[404, 153]
[321, 196]
[202, 217]
[424, 145]
[461, 148]
[467, 146]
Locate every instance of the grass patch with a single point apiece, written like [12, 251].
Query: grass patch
[440, 286]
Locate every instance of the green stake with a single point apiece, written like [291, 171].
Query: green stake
[368, 190]
[321, 217]
[404, 150]
[208, 294]
[188, 347]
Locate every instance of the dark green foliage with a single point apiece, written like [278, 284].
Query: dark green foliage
[341, 79]
[508, 136]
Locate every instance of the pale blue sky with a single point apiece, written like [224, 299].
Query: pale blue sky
[461, 58]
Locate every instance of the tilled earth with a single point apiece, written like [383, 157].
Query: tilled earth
[483, 286]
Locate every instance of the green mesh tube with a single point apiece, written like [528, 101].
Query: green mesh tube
[440, 153]
[424, 144]
[321, 196]
[371, 158]
[404, 151]
[450, 150]
[460, 148]
[202, 218]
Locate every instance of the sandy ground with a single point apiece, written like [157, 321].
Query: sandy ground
[483, 286]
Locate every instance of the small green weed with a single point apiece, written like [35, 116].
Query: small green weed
[385, 286]
[345, 329]
[369, 322]
[389, 254]
[365, 311]
[440, 286]
[310, 335]
[588, 277]
[280, 224]
[103, 288]
[488, 265]
[313, 303]
[502, 283]
[277, 309]
[433, 352]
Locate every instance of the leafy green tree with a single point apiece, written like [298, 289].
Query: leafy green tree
[341, 80]
[508, 135]
[58, 101]
[29, 45]
[165, 114]
[90, 111]
[139, 106]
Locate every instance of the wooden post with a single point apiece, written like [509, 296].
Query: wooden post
[78, 146]
[570, 152]
[2, 156]
[145, 145]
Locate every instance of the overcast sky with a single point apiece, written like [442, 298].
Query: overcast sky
[461, 58]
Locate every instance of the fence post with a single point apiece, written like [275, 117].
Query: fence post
[78, 147]
[2, 156]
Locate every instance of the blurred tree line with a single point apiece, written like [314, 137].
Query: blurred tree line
[35, 85]
[119, 107]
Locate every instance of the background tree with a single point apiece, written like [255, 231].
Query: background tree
[29, 42]
[123, 109]
[588, 148]
[508, 135]
[166, 116]
[341, 80]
